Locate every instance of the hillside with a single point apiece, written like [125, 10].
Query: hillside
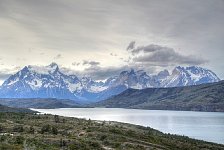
[39, 103]
[30, 131]
[10, 109]
[205, 97]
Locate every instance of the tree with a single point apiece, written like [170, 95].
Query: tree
[56, 119]
[89, 121]
[62, 143]
[19, 140]
[31, 130]
[54, 130]
[1, 128]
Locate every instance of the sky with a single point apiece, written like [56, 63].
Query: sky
[100, 38]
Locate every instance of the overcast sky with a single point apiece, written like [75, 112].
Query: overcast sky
[108, 36]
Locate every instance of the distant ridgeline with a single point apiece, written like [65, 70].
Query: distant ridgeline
[50, 82]
[204, 97]
[16, 110]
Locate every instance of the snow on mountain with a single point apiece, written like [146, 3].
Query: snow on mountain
[189, 76]
[49, 81]
[132, 79]
[93, 86]
[38, 81]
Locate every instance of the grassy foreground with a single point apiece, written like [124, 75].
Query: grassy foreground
[49, 132]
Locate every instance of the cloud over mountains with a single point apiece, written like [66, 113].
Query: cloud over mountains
[157, 55]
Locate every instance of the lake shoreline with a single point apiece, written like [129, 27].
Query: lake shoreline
[180, 124]
[46, 131]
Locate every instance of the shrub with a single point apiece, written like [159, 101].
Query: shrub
[18, 128]
[54, 130]
[31, 130]
[19, 140]
[103, 137]
[1, 128]
[45, 128]
[56, 119]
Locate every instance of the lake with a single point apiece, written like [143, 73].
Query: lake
[208, 126]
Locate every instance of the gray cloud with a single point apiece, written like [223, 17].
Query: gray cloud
[58, 56]
[131, 45]
[97, 72]
[147, 49]
[164, 56]
[86, 63]
[101, 73]
[5, 72]
[76, 63]
[113, 54]
[4, 75]
[21, 59]
[91, 63]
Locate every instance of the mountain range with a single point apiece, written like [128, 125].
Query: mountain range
[204, 97]
[50, 82]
